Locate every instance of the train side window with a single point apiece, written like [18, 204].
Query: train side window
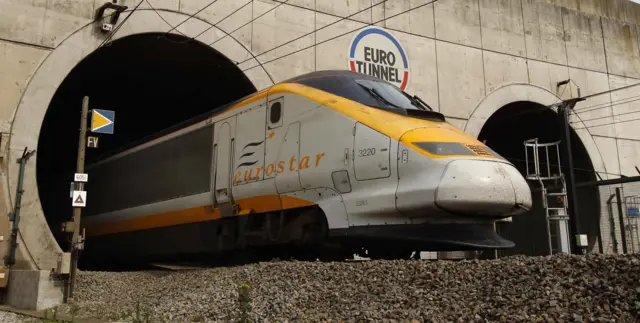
[276, 111]
[274, 115]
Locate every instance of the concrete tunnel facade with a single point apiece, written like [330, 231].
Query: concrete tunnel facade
[466, 59]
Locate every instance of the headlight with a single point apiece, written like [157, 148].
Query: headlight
[445, 148]
[455, 148]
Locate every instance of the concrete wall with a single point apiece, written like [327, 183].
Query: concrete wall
[467, 59]
[33, 290]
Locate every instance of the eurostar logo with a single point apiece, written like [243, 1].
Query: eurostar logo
[247, 155]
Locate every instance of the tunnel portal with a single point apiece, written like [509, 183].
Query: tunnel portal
[152, 81]
[505, 132]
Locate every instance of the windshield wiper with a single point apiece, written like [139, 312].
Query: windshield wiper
[424, 104]
[416, 101]
[378, 96]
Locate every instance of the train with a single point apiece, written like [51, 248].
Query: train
[325, 165]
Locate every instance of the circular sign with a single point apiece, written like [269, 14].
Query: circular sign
[375, 52]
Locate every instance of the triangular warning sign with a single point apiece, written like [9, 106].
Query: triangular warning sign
[98, 121]
[79, 200]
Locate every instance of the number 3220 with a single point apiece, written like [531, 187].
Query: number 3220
[366, 152]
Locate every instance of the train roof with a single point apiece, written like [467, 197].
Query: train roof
[327, 78]
[332, 75]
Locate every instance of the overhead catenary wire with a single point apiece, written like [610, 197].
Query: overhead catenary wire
[605, 117]
[610, 116]
[226, 34]
[605, 105]
[611, 91]
[337, 36]
[321, 28]
[577, 111]
[163, 36]
[261, 64]
[575, 168]
[248, 22]
[165, 21]
[581, 110]
[607, 124]
[536, 109]
[189, 17]
[202, 32]
[220, 21]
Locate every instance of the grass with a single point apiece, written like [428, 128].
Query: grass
[140, 313]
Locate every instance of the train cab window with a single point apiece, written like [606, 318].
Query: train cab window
[363, 89]
[275, 112]
[388, 94]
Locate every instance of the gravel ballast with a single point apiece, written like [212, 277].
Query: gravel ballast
[561, 288]
[9, 317]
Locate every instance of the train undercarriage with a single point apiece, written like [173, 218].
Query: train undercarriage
[300, 234]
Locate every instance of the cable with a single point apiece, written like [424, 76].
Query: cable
[611, 91]
[226, 34]
[190, 16]
[537, 109]
[611, 116]
[328, 14]
[323, 27]
[250, 21]
[605, 105]
[556, 165]
[165, 21]
[217, 23]
[338, 36]
[204, 31]
[607, 124]
[584, 109]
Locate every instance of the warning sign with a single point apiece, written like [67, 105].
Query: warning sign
[79, 199]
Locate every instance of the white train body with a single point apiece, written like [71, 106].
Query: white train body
[375, 175]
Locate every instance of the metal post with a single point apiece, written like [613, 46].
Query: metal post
[621, 219]
[15, 216]
[572, 205]
[78, 210]
[613, 225]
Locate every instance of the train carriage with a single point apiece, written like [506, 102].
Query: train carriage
[326, 164]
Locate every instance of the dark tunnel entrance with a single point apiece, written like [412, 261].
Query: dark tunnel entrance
[505, 132]
[150, 82]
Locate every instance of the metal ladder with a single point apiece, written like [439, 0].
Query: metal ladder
[554, 202]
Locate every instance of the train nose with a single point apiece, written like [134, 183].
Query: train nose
[483, 187]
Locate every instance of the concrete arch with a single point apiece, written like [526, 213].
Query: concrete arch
[526, 92]
[38, 245]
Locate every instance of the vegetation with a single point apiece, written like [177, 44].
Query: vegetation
[244, 302]
[142, 314]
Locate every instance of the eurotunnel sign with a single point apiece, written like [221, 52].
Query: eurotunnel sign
[376, 52]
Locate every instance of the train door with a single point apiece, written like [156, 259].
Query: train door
[248, 165]
[283, 144]
[287, 172]
[375, 183]
[274, 134]
[371, 154]
[223, 151]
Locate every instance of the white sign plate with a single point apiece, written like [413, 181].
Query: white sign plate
[79, 199]
[78, 177]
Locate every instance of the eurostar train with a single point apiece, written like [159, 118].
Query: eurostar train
[324, 165]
